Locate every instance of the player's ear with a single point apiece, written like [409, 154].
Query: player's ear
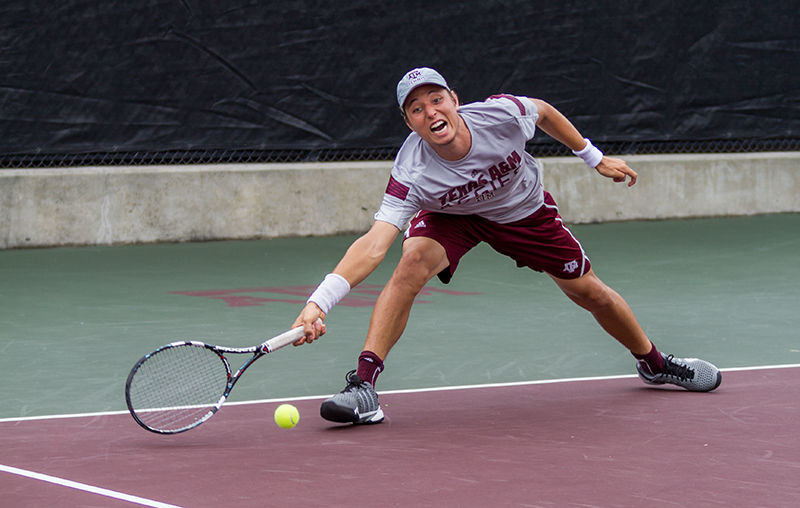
[405, 118]
[454, 95]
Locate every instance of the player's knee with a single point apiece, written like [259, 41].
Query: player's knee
[414, 269]
[595, 297]
[602, 299]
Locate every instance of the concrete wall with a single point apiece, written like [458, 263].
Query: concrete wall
[111, 205]
[677, 186]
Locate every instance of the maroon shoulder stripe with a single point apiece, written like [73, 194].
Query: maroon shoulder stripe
[513, 99]
[396, 189]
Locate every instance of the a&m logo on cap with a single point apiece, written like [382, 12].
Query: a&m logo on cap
[415, 78]
[414, 75]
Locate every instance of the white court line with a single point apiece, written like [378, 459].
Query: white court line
[411, 390]
[86, 488]
[157, 504]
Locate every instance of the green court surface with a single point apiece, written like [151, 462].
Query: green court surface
[74, 320]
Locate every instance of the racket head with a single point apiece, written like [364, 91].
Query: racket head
[177, 387]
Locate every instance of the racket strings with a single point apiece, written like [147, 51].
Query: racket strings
[178, 387]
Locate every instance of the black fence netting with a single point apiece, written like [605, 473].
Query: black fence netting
[202, 81]
[364, 154]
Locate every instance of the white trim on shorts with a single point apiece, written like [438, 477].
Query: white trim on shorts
[584, 257]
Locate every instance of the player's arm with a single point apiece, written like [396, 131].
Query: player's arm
[361, 259]
[557, 126]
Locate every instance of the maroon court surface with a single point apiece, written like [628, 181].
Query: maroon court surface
[605, 442]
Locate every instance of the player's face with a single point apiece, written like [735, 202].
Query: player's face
[432, 112]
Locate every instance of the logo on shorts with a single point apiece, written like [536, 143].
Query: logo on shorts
[571, 266]
[420, 224]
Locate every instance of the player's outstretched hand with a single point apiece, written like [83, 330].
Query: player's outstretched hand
[311, 319]
[616, 169]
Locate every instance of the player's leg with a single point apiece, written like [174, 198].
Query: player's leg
[610, 310]
[422, 259]
[358, 403]
[433, 245]
[542, 242]
[616, 317]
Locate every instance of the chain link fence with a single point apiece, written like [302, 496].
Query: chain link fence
[226, 156]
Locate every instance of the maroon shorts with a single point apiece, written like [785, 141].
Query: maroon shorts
[541, 241]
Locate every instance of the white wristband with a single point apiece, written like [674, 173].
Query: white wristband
[590, 154]
[333, 288]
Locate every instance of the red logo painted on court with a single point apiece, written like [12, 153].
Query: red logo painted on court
[364, 295]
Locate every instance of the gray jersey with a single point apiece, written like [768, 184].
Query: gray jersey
[497, 179]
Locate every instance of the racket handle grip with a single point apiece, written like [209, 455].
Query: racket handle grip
[282, 340]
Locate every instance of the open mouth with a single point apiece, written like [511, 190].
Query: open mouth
[438, 126]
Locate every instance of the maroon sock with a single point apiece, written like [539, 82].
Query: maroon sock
[653, 360]
[369, 366]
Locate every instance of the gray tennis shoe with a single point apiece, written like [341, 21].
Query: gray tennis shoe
[357, 403]
[691, 373]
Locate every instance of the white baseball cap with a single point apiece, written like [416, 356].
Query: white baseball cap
[418, 77]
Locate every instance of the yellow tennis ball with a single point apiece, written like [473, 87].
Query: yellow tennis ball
[286, 416]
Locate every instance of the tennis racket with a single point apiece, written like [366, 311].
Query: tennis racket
[181, 385]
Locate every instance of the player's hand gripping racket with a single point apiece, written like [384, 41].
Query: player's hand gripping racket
[180, 385]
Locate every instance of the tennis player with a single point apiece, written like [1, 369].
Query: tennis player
[463, 177]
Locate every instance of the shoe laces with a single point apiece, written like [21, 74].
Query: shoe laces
[675, 369]
[353, 381]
